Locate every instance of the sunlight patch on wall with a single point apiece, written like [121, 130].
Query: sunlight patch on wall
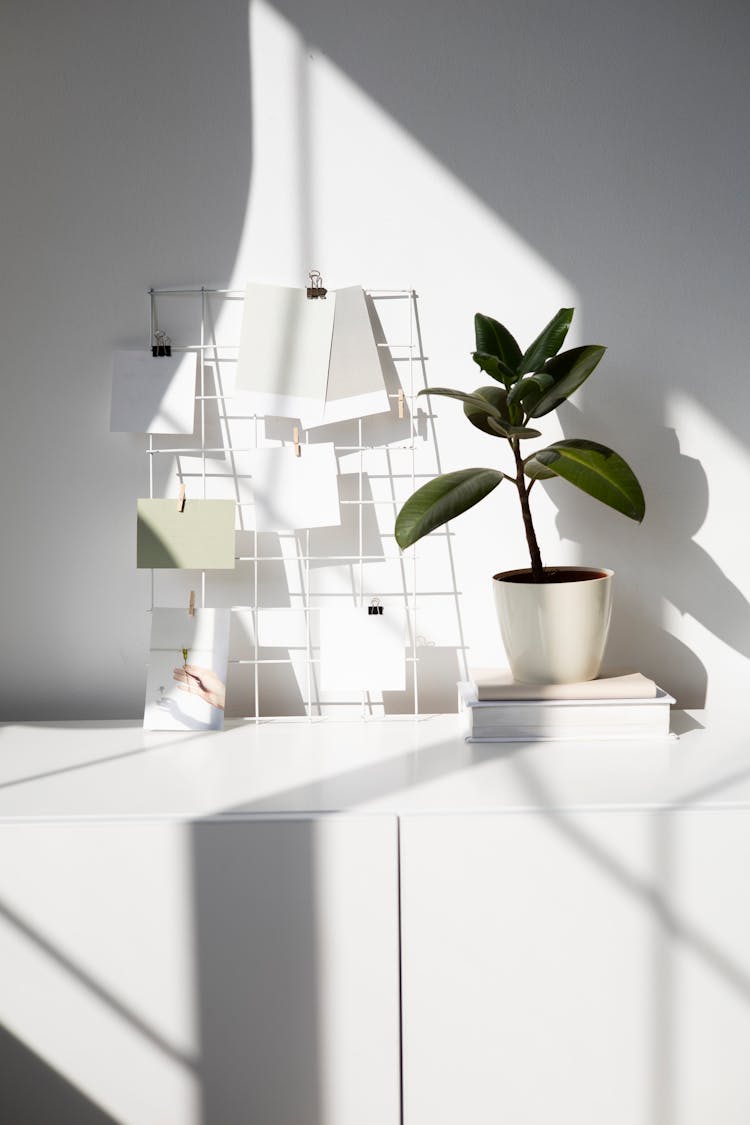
[338, 184]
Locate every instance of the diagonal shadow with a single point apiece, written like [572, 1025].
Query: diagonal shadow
[226, 913]
[363, 785]
[95, 762]
[647, 892]
[30, 1087]
[599, 149]
[94, 987]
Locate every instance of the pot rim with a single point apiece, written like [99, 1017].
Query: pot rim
[597, 573]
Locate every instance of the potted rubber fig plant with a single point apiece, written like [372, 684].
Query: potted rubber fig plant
[553, 619]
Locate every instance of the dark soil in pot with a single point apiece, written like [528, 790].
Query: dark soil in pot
[552, 574]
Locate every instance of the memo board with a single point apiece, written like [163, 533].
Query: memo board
[283, 580]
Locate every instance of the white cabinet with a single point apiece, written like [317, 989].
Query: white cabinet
[200, 973]
[206, 930]
[579, 967]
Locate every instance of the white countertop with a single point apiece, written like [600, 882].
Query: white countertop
[116, 769]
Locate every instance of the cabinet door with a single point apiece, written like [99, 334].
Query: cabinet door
[585, 968]
[200, 974]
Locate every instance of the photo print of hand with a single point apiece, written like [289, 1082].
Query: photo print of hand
[201, 682]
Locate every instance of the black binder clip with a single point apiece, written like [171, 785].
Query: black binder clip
[374, 607]
[315, 288]
[163, 345]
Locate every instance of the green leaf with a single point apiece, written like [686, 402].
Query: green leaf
[536, 470]
[441, 500]
[506, 430]
[548, 342]
[484, 405]
[568, 371]
[478, 403]
[529, 389]
[495, 368]
[478, 416]
[560, 376]
[493, 338]
[594, 469]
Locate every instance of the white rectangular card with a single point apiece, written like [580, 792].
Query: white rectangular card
[356, 385]
[187, 693]
[295, 492]
[227, 478]
[360, 651]
[153, 395]
[285, 348]
[282, 628]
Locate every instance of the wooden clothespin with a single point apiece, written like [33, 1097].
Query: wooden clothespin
[400, 402]
[163, 345]
[181, 498]
[191, 604]
[295, 439]
[374, 608]
[315, 288]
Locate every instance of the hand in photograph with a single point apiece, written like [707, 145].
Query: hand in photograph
[201, 682]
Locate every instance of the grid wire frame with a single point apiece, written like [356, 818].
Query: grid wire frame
[406, 353]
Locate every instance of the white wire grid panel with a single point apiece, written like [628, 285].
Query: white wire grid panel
[283, 580]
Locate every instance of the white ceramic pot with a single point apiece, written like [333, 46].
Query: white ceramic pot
[555, 631]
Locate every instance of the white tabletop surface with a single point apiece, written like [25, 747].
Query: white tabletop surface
[116, 769]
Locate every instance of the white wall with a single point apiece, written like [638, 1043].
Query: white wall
[511, 159]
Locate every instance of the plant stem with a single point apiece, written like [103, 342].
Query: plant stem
[537, 569]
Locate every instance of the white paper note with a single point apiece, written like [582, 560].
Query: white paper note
[153, 394]
[285, 348]
[356, 385]
[360, 651]
[282, 628]
[187, 693]
[295, 492]
[226, 479]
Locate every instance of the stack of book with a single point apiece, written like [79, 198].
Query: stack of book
[617, 705]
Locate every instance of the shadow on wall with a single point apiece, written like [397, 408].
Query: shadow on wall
[128, 147]
[608, 166]
[31, 1090]
[655, 563]
[127, 157]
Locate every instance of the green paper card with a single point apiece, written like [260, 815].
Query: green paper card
[200, 537]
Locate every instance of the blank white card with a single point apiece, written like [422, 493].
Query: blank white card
[360, 651]
[153, 395]
[295, 492]
[356, 385]
[285, 348]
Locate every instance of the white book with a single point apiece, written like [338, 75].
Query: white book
[521, 720]
[498, 683]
